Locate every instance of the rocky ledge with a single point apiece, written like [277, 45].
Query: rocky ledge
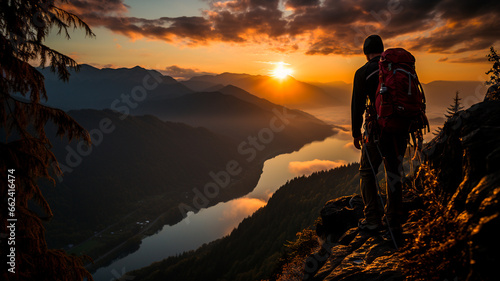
[452, 204]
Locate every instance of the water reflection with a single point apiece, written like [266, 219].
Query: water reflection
[218, 221]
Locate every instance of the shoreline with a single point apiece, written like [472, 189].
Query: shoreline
[132, 242]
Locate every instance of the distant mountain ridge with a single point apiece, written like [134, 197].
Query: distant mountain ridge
[80, 94]
[439, 94]
[145, 167]
[131, 162]
[93, 88]
[288, 92]
[229, 110]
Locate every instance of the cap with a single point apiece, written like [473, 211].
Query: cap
[373, 45]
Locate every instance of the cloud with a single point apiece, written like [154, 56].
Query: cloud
[301, 4]
[467, 59]
[312, 26]
[344, 135]
[308, 167]
[350, 145]
[74, 55]
[178, 72]
[238, 210]
[241, 208]
[274, 62]
[100, 65]
[99, 6]
[460, 36]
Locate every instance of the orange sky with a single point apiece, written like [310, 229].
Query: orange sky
[320, 40]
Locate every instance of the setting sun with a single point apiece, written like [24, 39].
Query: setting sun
[281, 71]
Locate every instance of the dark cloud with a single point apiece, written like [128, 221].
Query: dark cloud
[107, 6]
[243, 5]
[321, 27]
[458, 10]
[458, 37]
[297, 4]
[468, 59]
[182, 73]
[328, 45]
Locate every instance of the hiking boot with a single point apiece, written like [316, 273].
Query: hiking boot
[367, 226]
[398, 237]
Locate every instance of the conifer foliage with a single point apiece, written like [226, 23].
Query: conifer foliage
[494, 72]
[455, 107]
[24, 147]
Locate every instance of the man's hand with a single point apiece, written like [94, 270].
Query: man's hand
[357, 142]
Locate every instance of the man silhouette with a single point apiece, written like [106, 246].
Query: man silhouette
[376, 147]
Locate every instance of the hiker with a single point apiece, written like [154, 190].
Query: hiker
[373, 145]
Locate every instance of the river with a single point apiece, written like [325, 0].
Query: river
[219, 220]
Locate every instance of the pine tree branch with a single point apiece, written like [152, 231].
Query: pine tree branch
[65, 123]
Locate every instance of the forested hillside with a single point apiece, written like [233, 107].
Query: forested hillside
[252, 251]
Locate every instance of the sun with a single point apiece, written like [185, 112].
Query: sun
[281, 71]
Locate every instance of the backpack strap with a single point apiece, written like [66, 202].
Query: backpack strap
[370, 108]
[421, 88]
[371, 74]
[424, 117]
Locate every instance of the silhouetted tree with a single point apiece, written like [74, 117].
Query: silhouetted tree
[24, 148]
[494, 72]
[455, 107]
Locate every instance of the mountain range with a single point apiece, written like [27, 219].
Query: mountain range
[288, 91]
[154, 162]
[439, 94]
[139, 163]
[95, 88]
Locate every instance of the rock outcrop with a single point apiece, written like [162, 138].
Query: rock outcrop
[493, 93]
[453, 214]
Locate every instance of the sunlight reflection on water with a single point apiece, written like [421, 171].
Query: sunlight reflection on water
[219, 220]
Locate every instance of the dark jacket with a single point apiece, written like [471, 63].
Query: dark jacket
[365, 85]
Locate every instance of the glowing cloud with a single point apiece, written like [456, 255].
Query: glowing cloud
[318, 27]
[242, 207]
[308, 167]
[350, 145]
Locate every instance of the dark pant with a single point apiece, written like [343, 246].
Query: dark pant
[392, 147]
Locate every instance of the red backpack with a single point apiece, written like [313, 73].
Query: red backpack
[400, 99]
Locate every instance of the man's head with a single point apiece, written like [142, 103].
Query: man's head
[373, 46]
